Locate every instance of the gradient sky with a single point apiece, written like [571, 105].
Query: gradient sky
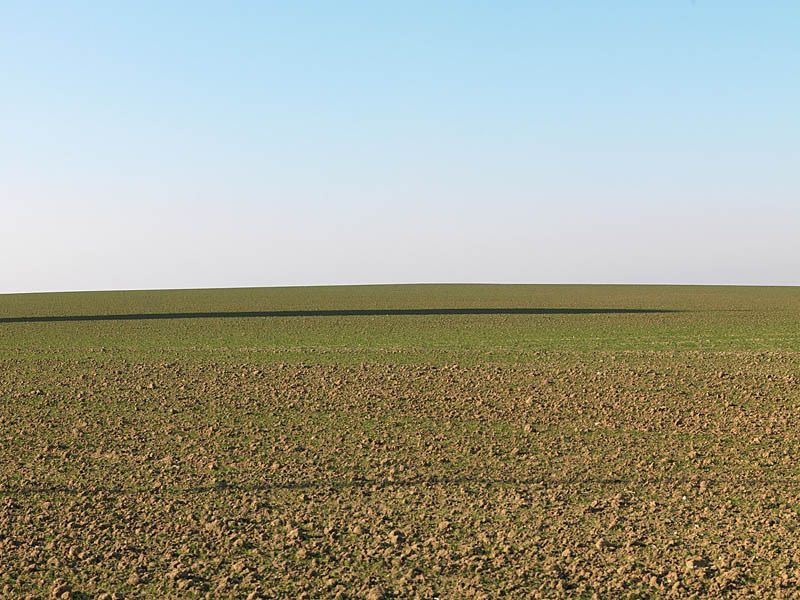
[211, 144]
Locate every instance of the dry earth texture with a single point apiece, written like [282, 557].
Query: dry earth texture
[401, 442]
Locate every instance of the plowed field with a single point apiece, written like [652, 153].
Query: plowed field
[401, 442]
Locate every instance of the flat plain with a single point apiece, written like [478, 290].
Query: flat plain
[401, 441]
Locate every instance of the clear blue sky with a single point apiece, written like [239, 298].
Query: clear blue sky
[200, 144]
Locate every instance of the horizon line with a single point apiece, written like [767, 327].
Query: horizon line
[390, 284]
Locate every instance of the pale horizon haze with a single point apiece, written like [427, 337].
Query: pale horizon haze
[194, 145]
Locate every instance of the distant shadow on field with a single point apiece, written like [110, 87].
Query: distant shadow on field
[381, 484]
[363, 312]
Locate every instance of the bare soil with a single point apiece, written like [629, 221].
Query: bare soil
[609, 474]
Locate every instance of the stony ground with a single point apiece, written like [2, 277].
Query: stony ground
[611, 474]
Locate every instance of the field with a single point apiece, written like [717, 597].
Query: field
[401, 441]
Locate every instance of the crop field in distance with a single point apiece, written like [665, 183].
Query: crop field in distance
[419, 441]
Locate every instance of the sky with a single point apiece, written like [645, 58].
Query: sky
[217, 144]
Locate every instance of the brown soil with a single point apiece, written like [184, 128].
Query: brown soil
[621, 475]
